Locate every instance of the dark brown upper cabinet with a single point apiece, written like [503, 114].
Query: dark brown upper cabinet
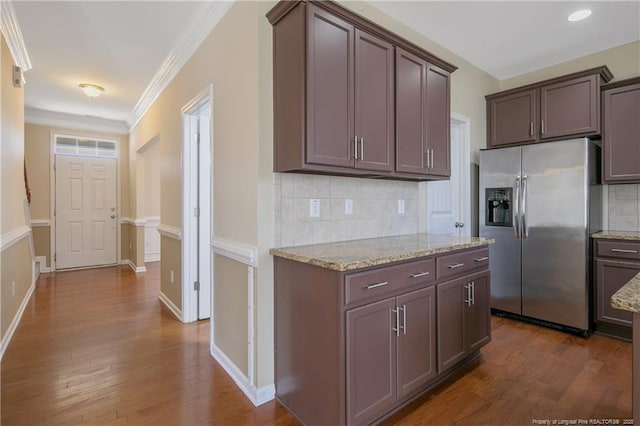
[335, 87]
[567, 106]
[422, 117]
[621, 131]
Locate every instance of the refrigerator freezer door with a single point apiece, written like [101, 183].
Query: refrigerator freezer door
[554, 244]
[499, 168]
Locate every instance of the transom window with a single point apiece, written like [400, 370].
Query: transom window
[86, 147]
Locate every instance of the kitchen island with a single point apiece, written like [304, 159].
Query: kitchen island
[364, 327]
[628, 299]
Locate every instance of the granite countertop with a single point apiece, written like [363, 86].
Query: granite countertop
[628, 297]
[617, 235]
[356, 254]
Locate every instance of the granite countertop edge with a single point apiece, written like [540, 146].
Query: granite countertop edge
[617, 235]
[628, 297]
[366, 261]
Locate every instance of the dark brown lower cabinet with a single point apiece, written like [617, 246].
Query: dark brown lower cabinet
[352, 347]
[463, 323]
[390, 352]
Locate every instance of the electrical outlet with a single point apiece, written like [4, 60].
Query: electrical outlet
[400, 206]
[348, 206]
[13, 288]
[171, 276]
[314, 207]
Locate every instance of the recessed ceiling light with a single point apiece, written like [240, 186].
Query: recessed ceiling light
[91, 90]
[579, 15]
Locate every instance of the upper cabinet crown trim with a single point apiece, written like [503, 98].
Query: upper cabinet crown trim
[620, 83]
[283, 7]
[603, 71]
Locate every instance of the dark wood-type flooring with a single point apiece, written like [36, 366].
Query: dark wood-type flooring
[97, 347]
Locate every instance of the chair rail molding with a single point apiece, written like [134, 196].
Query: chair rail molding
[243, 253]
[10, 238]
[40, 223]
[170, 231]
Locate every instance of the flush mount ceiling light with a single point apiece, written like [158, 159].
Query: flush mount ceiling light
[91, 90]
[579, 15]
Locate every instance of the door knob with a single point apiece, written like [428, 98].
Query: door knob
[113, 216]
[459, 225]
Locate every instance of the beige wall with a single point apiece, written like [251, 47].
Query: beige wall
[124, 241]
[15, 273]
[623, 61]
[15, 260]
[229, 293]
[171, 261]
[42, 242]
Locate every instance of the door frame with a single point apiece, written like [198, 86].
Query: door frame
[465, 170]
[189, 222]
[52, 191]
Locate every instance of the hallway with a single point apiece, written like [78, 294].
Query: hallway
[97, 347]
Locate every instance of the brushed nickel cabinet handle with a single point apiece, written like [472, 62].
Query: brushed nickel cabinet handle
[468, 299]
[455, 265]
[419, 274]
[473, 292]
[531, 129]
[480, 259]
[355, 147]
[361, 147]
[397, 327]
[404, 319]
[376, 285]
[542, 126]
[425, 163]
[616, 250]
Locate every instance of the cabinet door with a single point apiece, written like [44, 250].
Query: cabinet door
[417, 341]
[374, 103]
[451, 323]
[570, 108]
[438, 121]
[621, 134]
[512, 118]
[478, 320]
[371, 361]
[411, 105]
[610, 276]
[329, 89]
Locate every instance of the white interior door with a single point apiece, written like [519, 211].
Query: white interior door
[204, 222]
[85, 208]
[448, 201]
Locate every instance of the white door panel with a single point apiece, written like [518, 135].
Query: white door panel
[85, 232]
[448, 201]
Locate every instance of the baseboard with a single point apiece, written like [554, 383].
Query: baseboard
[42, 261]
[170, 305]
[152, 257]
[16, 320]
[257, 396]
[133, 266]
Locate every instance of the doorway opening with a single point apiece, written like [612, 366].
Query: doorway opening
[197, 217]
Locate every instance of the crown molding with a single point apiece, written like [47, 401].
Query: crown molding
[65, 120]
[208, 16]
[13, 35]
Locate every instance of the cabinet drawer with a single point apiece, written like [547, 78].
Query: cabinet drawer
[458, 263]
[618, 249]
[385, 280]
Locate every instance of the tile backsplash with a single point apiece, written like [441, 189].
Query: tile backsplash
[375, 208]
[624, 207]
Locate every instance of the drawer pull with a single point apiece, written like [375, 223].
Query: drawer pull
[615, 250]
[418, 274]
[371, 286]
[455, 265]
[480, 259]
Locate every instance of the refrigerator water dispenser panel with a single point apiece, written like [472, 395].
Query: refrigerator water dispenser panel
[498, 206]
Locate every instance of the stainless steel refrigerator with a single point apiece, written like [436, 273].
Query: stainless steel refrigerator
[540, 203]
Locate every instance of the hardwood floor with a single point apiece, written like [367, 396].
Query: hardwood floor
[97, 347]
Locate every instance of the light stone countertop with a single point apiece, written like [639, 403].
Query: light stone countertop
[628, 297]
[356, 254]
[617, 235]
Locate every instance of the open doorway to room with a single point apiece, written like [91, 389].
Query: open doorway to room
[197, 217]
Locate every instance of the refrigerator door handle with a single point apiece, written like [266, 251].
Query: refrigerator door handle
[516, 207]
[523, 210]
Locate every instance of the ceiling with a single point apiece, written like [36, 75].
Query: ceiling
[509, 38]
[126, 46]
